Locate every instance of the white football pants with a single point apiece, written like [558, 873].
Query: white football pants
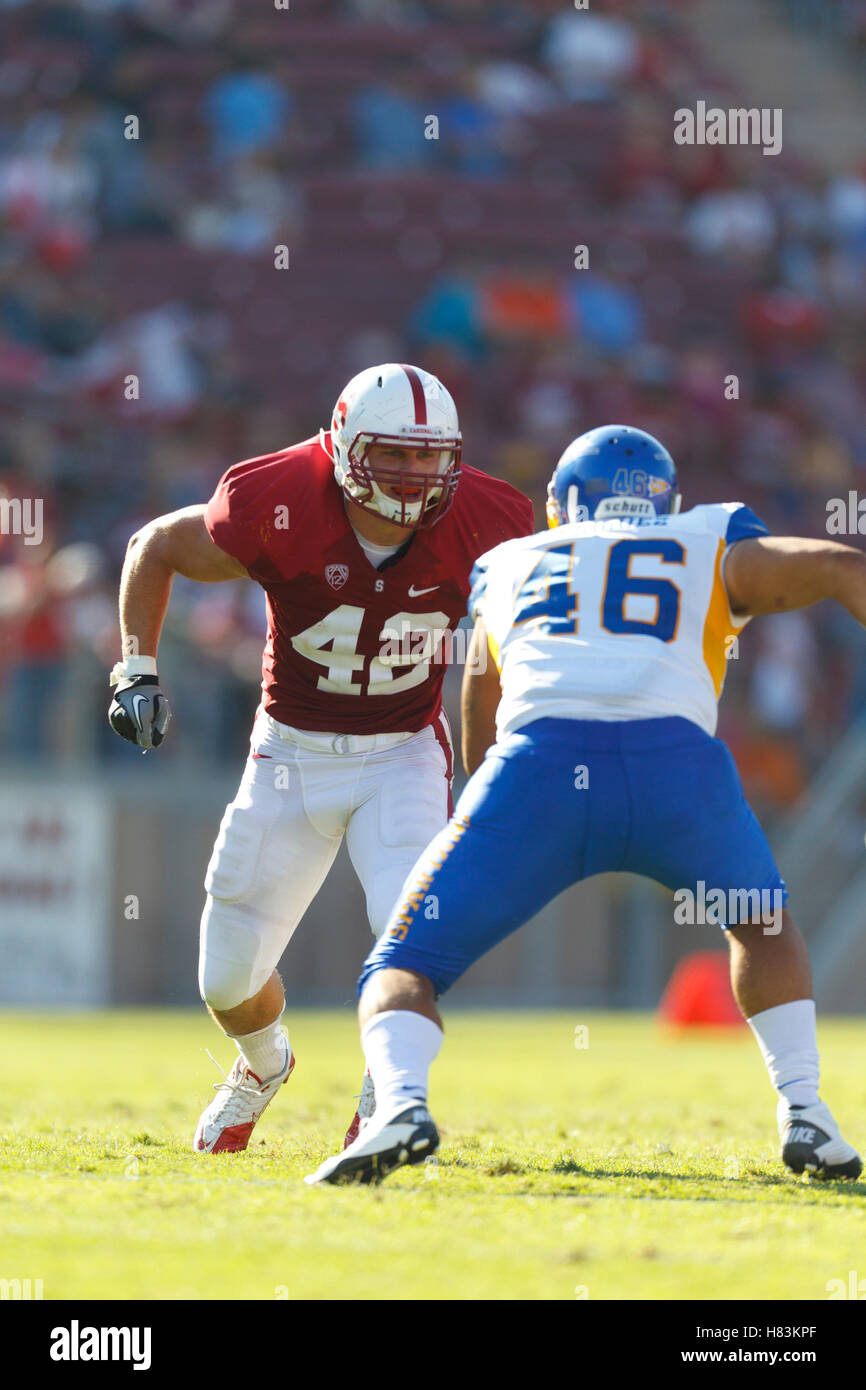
[389, 794]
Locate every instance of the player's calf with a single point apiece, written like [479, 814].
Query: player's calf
[399, 1044]
[771, 978]
[389, 988]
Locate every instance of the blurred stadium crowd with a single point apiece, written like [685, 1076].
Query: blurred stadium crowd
[838, 20]
[153, 256]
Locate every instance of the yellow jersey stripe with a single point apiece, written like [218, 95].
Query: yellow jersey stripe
[717, 628]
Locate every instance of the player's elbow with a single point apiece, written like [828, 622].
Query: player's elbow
[145, 538]
[136, 542]
[151, 544]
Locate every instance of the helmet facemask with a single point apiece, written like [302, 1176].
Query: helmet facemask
[423, 498]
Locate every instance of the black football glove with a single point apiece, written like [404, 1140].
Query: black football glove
[139, 711]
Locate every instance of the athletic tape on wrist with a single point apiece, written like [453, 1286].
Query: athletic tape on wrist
[133, 666]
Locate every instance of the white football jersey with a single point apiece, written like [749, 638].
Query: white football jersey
[613, 619]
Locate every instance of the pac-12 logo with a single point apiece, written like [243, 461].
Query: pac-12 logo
[336, 575]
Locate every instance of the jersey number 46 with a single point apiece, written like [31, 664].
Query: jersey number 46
[550, 597]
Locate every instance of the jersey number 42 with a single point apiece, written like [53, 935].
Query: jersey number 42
[410, 640]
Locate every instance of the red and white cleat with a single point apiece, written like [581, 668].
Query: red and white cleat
[366, 1106]
[242, 1098]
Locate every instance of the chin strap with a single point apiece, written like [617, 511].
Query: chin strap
[323, 437]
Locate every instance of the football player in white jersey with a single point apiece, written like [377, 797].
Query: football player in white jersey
[609, 639]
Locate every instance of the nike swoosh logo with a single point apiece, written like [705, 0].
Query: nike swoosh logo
[416, 593]
[136, 701]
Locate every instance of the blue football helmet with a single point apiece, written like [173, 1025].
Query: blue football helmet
[612, 462]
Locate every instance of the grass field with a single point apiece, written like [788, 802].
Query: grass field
[638, 1167]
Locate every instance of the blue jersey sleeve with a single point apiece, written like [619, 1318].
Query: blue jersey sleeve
[744, 523]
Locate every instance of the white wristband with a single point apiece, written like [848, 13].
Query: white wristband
[133, 666]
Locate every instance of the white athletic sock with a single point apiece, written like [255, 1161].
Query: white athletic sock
[400, 1047]
[264, 1052]
[789, 1046]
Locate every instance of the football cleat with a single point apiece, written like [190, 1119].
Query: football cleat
[410, 1137]
[811, 1142]
[366, 1106]
[242, 1098]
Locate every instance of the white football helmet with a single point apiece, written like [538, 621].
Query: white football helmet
[399, 405]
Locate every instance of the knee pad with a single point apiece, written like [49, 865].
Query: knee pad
[230, 971]
[236, 925]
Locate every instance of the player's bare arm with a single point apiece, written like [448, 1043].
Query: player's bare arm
[774, 574]
[177, 543]
[479, 700]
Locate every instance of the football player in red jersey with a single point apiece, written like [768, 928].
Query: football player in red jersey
[363, 539]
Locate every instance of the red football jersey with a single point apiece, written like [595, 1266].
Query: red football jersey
[351, 648]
